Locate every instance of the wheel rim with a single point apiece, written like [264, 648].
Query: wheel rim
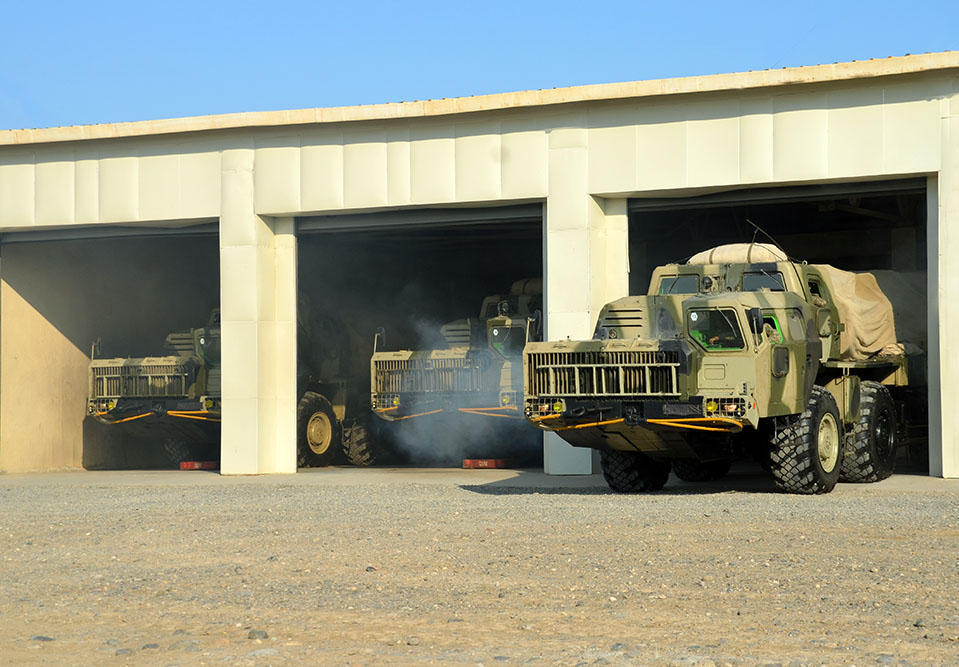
[828, 442]
[883, 434]
[319, 433]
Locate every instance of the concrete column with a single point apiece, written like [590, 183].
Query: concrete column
[943, 267]
[586, 266]
[258, 316]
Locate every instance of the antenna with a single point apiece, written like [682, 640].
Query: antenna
[758, 229]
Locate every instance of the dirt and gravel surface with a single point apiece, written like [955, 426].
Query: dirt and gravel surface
[412, 566]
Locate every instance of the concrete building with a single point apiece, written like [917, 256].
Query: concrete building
[591, 158]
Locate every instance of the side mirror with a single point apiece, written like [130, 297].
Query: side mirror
[534, 329]
[780, 362]
[755, 317]
[824, 322]
[378, 338]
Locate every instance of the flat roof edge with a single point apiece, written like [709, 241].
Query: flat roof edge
[857, 69]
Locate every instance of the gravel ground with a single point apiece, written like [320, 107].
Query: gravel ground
[409, 566]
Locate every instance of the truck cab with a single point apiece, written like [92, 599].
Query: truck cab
[737, 349]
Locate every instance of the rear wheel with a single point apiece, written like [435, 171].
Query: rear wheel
[318, 432]
[691, 470]
[870, 451]
[360, 446]
[632, 472]
[806, 453]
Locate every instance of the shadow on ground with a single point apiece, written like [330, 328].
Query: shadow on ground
[743, 478]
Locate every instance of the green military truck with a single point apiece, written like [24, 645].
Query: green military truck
[738, 351]
[178, 396]
[175, 396]
[478, 371]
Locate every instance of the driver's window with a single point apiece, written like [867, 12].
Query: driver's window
[771, 328]
[817, 292]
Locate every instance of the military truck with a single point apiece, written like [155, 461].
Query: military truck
[178, 396]
[175, 396]
[478, 371]
[738, 351]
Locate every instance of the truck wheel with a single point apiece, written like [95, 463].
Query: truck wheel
[690, 470]
[359, 446]
[806, 453]
[631, 472]
[870, 451]
[318, 432]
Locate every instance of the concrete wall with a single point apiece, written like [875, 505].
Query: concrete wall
[582, 157]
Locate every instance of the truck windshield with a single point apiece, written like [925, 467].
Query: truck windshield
[756, 282]
[679, 284]
[716, 329]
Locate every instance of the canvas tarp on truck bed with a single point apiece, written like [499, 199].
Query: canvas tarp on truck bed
[865, 311]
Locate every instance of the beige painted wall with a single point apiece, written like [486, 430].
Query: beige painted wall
[583, 158]
[44, 382]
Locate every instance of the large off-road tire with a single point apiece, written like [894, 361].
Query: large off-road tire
[632, 472]
[360, 447]
[176, 450]
[691, 470]
[870, 450]
[806, 452]
[318, 432]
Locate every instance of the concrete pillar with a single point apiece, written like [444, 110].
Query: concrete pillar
[943, 267]
[258, 316]
[586, 266]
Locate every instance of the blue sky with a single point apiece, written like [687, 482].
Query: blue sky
[78, 63]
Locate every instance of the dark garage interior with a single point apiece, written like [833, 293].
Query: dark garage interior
[115, 295]
[408, 274]
[878, 227]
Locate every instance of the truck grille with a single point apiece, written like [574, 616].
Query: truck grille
[394, 376]
[140, 380]
[602, 373]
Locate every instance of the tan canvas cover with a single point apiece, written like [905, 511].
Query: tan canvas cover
[738, 253]
[864, 309]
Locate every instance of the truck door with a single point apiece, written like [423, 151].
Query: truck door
[827, 316]
[782, 359]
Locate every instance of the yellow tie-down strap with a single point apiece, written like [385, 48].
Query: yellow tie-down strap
[200, 415]
[713, 424]
[492, 412]
[125, 419]
[485, 412]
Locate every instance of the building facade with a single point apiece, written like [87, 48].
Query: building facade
[584, 154]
